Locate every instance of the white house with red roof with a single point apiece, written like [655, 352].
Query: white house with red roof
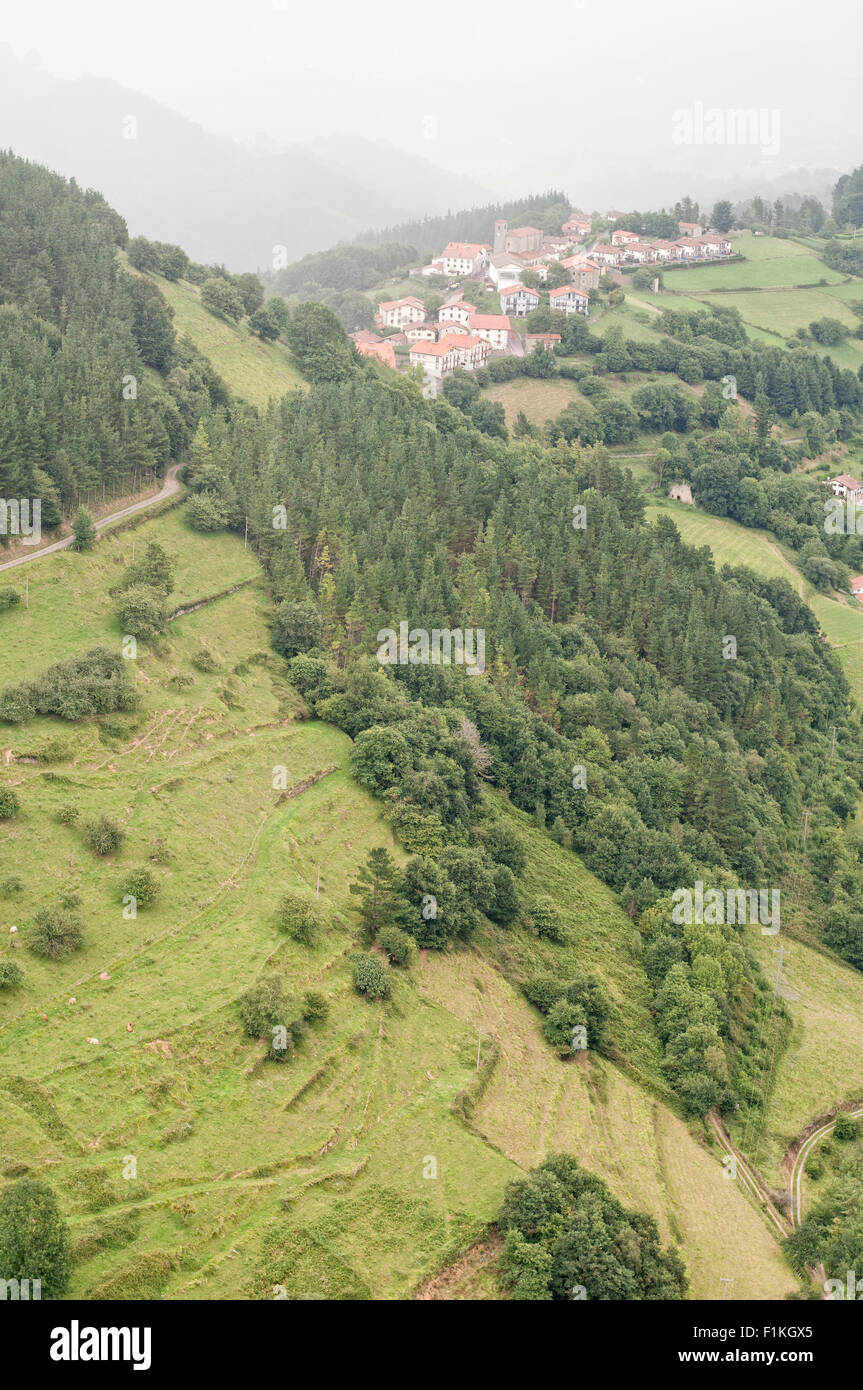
[494, 328]
[857, 585]
[464, 257]
[687, 249]
[614, 215]
[569, 299]
[395, 313]
[459, 312]
[722, 243]
[453, 350]
[639, 251]
[436, 359]
[518, 300]
[706, 248]
[421, 332]
[607, 255]
[470, 350]
[619, 237]
[665, 250]
[690, 228]
[846, 486]
[553, 246]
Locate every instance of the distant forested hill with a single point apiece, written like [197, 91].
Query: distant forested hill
[360, 264]
[95, 388]
[430, 234]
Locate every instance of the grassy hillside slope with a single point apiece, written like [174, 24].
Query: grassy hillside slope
[782, 285]
[254, 370]
[191, 1168]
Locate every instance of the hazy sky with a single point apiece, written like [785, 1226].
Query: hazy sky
[513, 94]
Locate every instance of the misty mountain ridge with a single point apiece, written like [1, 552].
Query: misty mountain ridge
[223, 201]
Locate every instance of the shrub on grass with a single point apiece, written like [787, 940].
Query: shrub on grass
[299, 917]
[9, 803]
[547, 921]
[316, 1007]
[371, 976]
[140, 884]
[506, 846]
[34, 1241]
[11, 974]
[141, 611]
[263, 1006]
[160, 851]
[57, 933]
[845, 1128]
[400, 948]
[96, 682]
[103, 836]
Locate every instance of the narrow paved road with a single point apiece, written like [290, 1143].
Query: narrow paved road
[801, 1157]
[169, 487]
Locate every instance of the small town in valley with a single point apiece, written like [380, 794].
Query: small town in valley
[523, 269]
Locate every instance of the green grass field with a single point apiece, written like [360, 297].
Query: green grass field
[542, 399]
[766, 291]
[769, 262]
[625, 317]
[825, 1055]
[254, 370]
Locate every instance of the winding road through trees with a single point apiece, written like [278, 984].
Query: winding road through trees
[170, 486]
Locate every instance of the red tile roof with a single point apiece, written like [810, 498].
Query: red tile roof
[433, 349]
[463, 250]
[383, 351]
[489, 321]
[396, 303]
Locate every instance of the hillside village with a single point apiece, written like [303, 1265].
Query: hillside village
[516, 267]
